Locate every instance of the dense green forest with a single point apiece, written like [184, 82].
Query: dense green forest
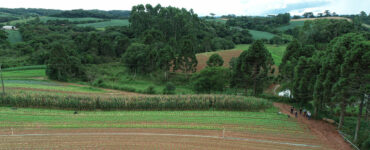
[326, 64]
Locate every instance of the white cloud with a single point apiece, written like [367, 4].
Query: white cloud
[202, 7]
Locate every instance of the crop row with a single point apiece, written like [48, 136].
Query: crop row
[187, 102]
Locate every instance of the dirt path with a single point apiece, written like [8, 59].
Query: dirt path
[324, 131]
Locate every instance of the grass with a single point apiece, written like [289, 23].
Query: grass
[268, 121]
[19, 74]
[113, 22]
[291, 25]
[45, 19]
[257, 35]
[49, 85]
[14, 36]
[26, 68]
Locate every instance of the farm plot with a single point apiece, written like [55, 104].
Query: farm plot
[258, 35]
[60, 129]
[277, 53]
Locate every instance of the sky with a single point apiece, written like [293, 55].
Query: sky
[205, 7]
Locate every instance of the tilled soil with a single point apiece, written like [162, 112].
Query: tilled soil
[143, 139]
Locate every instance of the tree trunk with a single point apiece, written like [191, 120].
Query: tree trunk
[165, 76]
[359, 120]
[342, 111]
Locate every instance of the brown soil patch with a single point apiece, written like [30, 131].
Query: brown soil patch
[226, 56]
[144, 139]
[324, 131]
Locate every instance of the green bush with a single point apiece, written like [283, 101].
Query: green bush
[366, 144]
[169, 89]
[189, 102]
[210, 79]
[150, 90]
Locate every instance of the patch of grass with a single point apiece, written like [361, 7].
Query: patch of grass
[17, 74]
[113, 22]
[291, 25]
[258, 35]
[277, 52]
[45, 19]
[14, 36]
[26, 68]
[45, 85]
[268, 121]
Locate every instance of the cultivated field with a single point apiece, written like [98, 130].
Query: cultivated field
[60, 129]
[257, 35]
[277, 53]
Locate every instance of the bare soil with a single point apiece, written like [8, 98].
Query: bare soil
[145, 139]
[327, 133]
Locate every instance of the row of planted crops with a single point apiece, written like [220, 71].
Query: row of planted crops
[176, 102]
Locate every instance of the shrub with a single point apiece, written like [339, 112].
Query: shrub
[150, 90]
[215, 61]
[210, 79]
[169, 89]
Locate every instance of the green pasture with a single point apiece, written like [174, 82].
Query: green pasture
[113, 22]
[258, 35]
[45, 19]
[19, 74]
[14, 36]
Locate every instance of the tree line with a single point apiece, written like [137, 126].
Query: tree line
[329, 66]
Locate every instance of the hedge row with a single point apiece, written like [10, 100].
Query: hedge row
[189, 102]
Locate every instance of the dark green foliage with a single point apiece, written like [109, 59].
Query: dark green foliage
[7, 19]
[196, 102]
[259, 23]
[63, 64]
[150, 90]
[215, 61]
[323, 30]
[136, 58]
[79, 13]
[211, 79]
[221, 43]
[3, 38]
[30, 11]
[252, 68]
[366, 144]
[169, 89]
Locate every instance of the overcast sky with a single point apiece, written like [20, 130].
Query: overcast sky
[204, 7]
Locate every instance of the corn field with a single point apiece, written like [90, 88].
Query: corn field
[184, 102]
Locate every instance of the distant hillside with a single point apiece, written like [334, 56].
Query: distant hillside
[80, 13]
